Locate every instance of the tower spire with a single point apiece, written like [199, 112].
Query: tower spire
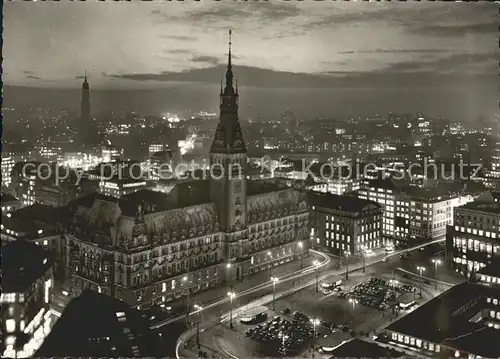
[230, 43]
[85, 75]
[229, 90]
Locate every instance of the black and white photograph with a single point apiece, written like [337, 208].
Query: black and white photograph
[250, 179]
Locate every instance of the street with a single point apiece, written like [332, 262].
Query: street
[302, 284]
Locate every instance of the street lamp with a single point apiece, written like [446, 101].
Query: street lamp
[346, 265]
[231, 296]
[228, 274]
[284, 337]
[301, 246]
[274, 280]
[436, 263]
[316, 265]
[314, 323]
[185, 279]
[198, 310]
[269, 255]
[353, 302]
[363, 258]
[421, 270]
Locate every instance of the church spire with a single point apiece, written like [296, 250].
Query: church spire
[229, 90]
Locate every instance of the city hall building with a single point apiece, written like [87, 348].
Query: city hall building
[147, 248]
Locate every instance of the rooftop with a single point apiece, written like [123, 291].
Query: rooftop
[8, 198]
[96, 325]
[492, 269]
[357, 348]
[262, 187]
[448, 321]
[23, 262]
[342, 203]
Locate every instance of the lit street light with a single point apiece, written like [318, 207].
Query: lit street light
[436, 263]
[363, 258]
[301, 246]
[346, 265]
[228, 274]
[421, 270]
[185, 280]
[274, 280]
[314, 322]
[231, 296]
[269, 255]
[198, 310]
[284, 338]
[316, 265]
[353, 302]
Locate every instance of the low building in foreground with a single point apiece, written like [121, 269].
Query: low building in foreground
[96, 325]
[357, 348]
[463, 322]
[27, 282]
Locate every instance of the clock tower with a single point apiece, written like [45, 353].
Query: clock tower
[228, 160]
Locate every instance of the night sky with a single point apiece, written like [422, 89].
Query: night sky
[418, 51]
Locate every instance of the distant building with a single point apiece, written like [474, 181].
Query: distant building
[116, 187]
[474, 239]
[463, 322]
[96, 325]
[7, 166]
[345, 225]
[27, 287]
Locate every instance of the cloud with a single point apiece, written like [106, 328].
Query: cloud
[396, 51]
[458, 30]
[178, 51]
[33, 77]
[179, 37]
[206, 59]
[27, 72]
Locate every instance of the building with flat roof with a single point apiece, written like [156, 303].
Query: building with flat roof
[357, 348]
[96, 325]
[463, 322]
[27, 284]
[474, 239]
[345, 225]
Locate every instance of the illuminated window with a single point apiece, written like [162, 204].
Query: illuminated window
[164, 287]
[10, 325]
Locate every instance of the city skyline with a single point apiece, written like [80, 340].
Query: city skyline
[299, 53]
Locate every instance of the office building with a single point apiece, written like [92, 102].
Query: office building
[27, 285]
[345, 225]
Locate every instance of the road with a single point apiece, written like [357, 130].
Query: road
[299, 280]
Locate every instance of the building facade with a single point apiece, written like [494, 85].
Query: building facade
[345, 225]
[27, 282]
[148, 248]
[474, 239]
